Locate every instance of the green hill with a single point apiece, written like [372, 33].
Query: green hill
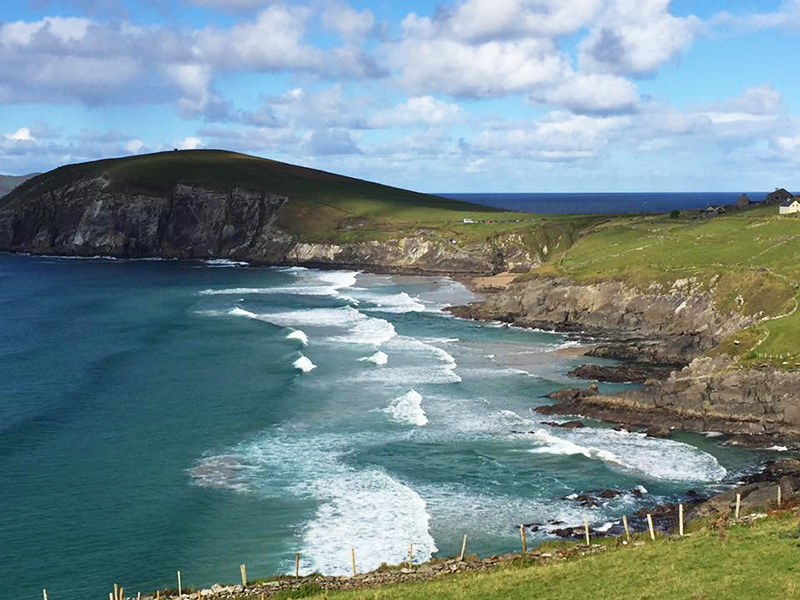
[749, 257]
[322, 202]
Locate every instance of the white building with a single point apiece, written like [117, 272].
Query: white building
[790, 206]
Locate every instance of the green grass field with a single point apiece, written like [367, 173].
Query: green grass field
[748, 258]
[743, 562]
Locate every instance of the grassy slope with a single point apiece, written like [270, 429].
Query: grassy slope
[323, 207]
[750, 257]
[744, 561]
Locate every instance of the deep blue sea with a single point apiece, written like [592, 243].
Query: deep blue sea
[612, 202]
[164, 415]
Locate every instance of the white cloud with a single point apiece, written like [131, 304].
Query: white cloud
[787, 16]
[351, 25]
[135, 146]
[490, 69]
[190, 143]
[636, 37]
[420, 110]
[23, 134]
[589, 94]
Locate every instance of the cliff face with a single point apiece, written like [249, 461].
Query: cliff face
[668, 327]
[710, 394]
[88, 218]
[85, 219]
[676, 326]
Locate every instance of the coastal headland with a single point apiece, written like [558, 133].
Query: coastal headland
[702, 309]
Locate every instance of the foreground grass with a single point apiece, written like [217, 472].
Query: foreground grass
[745, 561]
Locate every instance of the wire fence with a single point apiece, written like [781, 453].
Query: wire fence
[641, 527]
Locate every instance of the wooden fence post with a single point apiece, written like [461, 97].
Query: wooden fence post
[180, 589]
[411, 556]
[680, 519]
[779, 495]
[463, 548]
[738, 505]
[586, 531]
[297, 564]
[650, 527]
[524, 540]
[243, 573]
[627, 531]
[353, 556]
[116, 592]
[44, 594]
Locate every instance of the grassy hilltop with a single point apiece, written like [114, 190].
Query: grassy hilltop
[749, 258]
[323, 207]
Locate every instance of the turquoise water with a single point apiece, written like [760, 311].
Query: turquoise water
[164, 415]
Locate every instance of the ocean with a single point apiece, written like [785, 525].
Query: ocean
[611, 202]
[175, 415]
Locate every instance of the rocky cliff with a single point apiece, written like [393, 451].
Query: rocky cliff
[89, 217]
[665, 326]
[710, 394]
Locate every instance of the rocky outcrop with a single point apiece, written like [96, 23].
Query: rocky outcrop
[710, 394]
[85, 219]
[90, 217]
[401, 254]
[663, 326]
[624, 373]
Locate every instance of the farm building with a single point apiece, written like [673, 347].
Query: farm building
[790, 206]
[779, 196]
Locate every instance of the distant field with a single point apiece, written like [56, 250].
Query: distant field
[738, 563]
[750, 257]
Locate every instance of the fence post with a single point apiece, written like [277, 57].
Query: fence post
[297, 564]
[44, 594]
[627, 531]
[180, 589]
[586, 531]
[353, 556]
[116, 592]
[779, 495]
[243, 572]
[650, 527]
[738, 505]
[411, 556]
[680, 519]
[464, 544]
[524, 541]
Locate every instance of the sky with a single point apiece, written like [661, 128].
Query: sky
[449, 96]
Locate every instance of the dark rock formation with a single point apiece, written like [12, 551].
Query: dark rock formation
[631, 372]
[708, 395]
[667, 326]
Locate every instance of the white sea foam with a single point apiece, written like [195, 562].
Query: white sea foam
[392, 303]
[379, 358]
[360, 328]
[364, 509]
[240, 312]
[408, 409]
[656, 458]
[299, 335]
[224, 262]
[304, 364]
[308, 284]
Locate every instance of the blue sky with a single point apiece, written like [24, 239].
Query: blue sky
[456, 95]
